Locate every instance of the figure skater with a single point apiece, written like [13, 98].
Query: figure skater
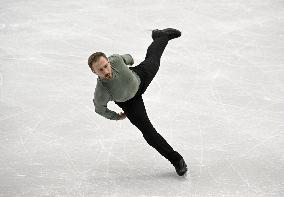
[125, 86]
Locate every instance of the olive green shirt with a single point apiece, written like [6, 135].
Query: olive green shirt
[121, 87]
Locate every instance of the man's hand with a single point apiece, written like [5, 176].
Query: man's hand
[121, 115]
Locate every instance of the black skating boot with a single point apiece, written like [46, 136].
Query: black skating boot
[171, 33]
[181, 167]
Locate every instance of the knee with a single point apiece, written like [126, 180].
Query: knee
[148, 131]
[150, 137]
[152, 59]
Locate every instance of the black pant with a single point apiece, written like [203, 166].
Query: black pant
[134, 108]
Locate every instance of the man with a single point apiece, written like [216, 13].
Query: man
[125, 85]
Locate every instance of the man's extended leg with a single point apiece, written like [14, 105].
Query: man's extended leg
[148, 68]
[135, 111]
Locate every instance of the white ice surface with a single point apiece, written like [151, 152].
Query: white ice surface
[217, 99]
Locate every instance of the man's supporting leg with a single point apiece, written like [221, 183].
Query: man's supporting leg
[135, 111]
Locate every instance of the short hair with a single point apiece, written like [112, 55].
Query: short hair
[95, 57]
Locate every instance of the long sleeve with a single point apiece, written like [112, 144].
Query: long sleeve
[101, 98]
[127, 58]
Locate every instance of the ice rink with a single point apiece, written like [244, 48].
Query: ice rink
[218, 99]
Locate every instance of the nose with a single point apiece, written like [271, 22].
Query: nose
[107, 74]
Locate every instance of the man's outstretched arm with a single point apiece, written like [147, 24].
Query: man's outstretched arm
[128, 59]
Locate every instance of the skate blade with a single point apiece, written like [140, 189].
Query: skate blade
[186, 175]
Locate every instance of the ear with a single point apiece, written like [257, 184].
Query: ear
[93, 70]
